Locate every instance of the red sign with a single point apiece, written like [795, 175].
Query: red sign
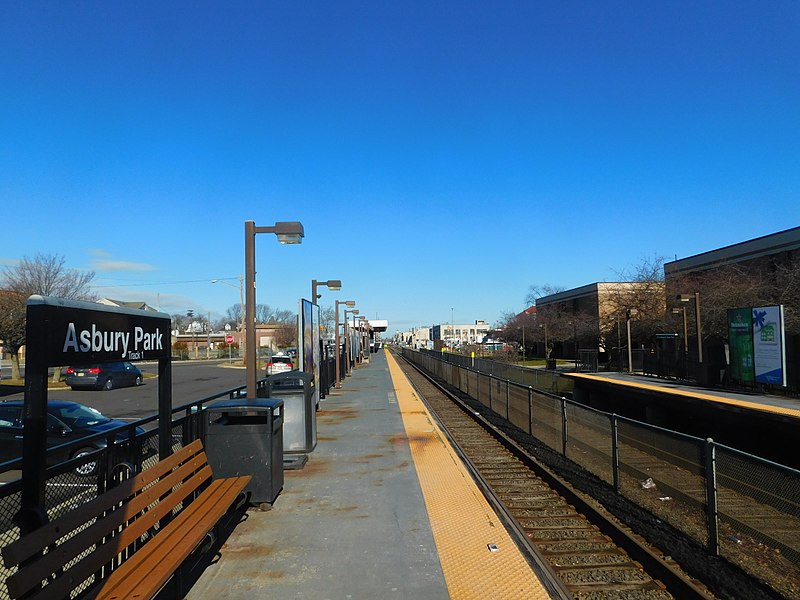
[229, 339]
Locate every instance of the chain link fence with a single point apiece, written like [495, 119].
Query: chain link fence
[734, 504]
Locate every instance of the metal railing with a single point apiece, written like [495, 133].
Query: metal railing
[734, 504]
[541, 379]
[127, 450]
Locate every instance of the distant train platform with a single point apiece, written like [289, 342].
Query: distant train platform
[384, 508]
[765, 403]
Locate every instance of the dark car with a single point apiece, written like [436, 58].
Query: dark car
[66, 421]
[104, 376]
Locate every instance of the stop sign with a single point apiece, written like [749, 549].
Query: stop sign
[229, 339]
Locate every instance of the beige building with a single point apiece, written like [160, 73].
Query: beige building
[590, 317]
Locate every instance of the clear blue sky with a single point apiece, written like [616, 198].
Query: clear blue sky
[439, 154]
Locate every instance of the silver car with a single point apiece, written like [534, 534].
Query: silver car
[279, 363]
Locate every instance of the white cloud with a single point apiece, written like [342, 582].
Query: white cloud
[120, 265]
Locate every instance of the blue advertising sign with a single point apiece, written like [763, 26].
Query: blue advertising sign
[769, 348]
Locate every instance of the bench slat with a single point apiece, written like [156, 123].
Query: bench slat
[143, 575]
[34, 542]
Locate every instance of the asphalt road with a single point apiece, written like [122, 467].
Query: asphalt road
[191, 380]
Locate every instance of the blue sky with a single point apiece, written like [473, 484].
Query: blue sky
[440, 155]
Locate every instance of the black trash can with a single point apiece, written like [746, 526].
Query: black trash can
[245, 437]
[299, 414]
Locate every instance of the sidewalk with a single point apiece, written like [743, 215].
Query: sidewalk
[351, 524]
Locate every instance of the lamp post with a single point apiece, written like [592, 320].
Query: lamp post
[348, 350]
[687, 298]
[338, 383]
[240, 325]
[523, 345]
[452, 327]
[544, 326]
[629, 314]
[332, 284]
[575, 341]
[287, 232]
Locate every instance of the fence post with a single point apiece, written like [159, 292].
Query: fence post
[712, 512]
[615, 451]
[563, 426]
[508, 399]
[530, 410]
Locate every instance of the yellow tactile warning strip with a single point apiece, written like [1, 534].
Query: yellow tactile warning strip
[478, 557]
[779, 410]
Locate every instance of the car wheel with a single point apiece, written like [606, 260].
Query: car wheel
[138, 380]
[109, 384]
[88, 468]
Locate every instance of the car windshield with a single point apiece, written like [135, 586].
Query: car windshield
[77, 415]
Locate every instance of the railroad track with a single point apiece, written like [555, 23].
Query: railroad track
[589, 553]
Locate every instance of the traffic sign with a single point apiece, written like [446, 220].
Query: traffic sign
[229, 339]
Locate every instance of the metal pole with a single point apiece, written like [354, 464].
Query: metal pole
[242, 343]
[338, 383]
[685, 333]
[630, 350]
[250, 306]
[699, 328]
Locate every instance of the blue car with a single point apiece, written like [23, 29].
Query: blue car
[104, 376]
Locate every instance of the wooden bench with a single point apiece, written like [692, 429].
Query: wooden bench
[127, 542]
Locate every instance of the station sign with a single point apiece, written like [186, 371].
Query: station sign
[76, 332]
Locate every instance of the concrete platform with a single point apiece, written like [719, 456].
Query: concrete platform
[382, 509]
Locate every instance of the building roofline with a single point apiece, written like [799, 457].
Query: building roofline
[766, 245]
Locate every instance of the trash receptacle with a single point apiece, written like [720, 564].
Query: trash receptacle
[299, 409]
[245, 437]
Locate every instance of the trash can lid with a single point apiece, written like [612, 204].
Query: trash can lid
[245, 405]
[299, 375]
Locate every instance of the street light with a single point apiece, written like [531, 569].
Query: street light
[687, 298]
[351, 303]
[241, 310]
[332, 284]
[629, 314]
[523, 345]
[287, 232]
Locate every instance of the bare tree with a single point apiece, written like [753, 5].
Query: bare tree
[540, 291]
[286, 317]
[46, 275]
[640, 291]
[234, 315]
[264, 313]
[327, 318]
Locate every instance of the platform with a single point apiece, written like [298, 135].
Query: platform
[383, 509]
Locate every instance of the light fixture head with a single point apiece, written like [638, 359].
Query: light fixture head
[350, 303]
[289, 232]
[683, 297]
[334, 284]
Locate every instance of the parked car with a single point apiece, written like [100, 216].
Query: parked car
[105, 376]
[66, 421]
[279, 363]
